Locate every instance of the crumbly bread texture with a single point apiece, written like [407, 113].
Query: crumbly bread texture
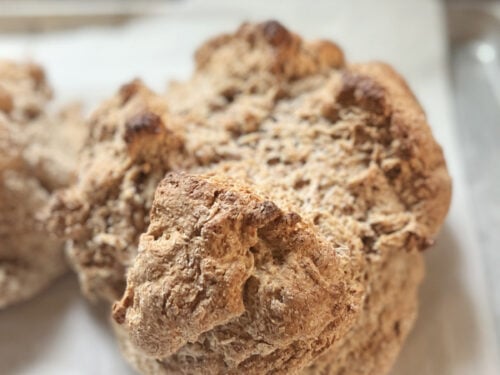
[37, 157]
[129, 148]
[286, 235]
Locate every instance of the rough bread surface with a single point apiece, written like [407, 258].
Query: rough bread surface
[286, 234]
[37, 156]
[125, 156]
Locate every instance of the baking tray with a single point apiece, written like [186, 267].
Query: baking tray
[474, 60]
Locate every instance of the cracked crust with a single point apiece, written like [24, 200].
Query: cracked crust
[126, 154]
[287, 236]
[37, 156]
[231, 263]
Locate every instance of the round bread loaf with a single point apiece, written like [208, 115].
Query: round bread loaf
[290, 196]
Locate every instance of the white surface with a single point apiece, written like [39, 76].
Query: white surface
[58, 333]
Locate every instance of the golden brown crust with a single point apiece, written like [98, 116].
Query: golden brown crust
[269, 48]
[126, 155]
[218, 259]
[429, 192]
